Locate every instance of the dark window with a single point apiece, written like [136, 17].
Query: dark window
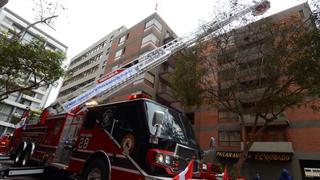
[229, 138]
[301, 13]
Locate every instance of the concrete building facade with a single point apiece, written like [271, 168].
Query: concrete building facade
[17, 102]
[87, 67]
[120, 52]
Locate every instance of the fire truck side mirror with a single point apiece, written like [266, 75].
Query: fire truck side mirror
[158, 118]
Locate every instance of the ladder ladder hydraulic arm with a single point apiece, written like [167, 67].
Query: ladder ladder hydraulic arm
[156, 57]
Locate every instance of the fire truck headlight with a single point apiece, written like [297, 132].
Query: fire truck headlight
[160, 158]
[168, 160]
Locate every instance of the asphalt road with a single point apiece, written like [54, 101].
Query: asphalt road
[7, 164]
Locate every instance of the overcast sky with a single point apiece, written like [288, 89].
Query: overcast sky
[85, 22]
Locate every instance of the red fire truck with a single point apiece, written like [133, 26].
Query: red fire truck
[136, 139]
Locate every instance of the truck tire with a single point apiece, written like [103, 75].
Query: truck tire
[97, 169]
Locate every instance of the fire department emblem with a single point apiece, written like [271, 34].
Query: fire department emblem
[128, 143]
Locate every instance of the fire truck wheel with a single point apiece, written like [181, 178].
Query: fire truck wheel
[96, 170]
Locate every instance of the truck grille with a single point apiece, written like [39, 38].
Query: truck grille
[185, 154]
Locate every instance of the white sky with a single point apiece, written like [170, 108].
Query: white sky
[85, 22]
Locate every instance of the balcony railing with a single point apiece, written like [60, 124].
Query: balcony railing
[229, 143]
[165, 72]
[249, 119]
[165, 93]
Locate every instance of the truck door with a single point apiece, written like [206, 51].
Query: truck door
[128, 129]
[68, 139]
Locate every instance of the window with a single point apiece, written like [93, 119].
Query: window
[27, 38]
[43, 88]
[225, 115]
[39, 96]
[172, 127]
[150, 38]
[168, 34]
[229, 138]
[149, 79]
[301, 13]
[104, 62]
[17, 28]
[122, 40]
[25, 102]
[12, 98]
[154, 23]
[119, 53]
[35, 105]
[20, 111]
[29, 93]
[270, 135]
[50, 47]
[5, 109]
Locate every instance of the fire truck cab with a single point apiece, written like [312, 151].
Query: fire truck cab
[136, 139]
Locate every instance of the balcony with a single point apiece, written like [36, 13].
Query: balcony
[280, 147]
[281, 120]
[251, 95]
[165, 71]
[165, 93]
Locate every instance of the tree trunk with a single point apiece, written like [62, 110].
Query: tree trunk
[247, 145]
[243, 157]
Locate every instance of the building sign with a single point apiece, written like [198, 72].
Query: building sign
[259, 156]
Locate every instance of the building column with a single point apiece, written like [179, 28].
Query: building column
[296, 169]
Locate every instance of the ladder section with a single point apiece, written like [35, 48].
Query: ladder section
[156, 57]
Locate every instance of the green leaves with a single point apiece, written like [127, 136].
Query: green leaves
[26, 66]
[285, 70]
[187, 78]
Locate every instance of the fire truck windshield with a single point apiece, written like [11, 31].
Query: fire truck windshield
[174, 127]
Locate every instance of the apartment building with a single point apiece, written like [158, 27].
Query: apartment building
[16, 103]
[87, 67]
[118, 50]
[289, 142]
[146, 35]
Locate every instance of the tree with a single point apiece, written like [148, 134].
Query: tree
[186, 61]
[29, 65]
[255, 72]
